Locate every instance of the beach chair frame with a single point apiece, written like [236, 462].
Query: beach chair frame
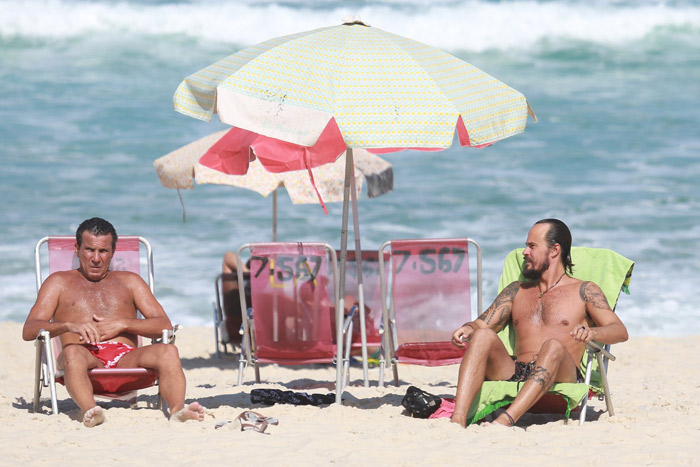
[46, 372]
[390, 338]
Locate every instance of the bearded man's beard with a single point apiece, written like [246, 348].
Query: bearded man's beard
[532, 274]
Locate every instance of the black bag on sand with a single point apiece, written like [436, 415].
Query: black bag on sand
[420, 404]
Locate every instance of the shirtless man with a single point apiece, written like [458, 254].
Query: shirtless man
[553, 314]
[93, 310]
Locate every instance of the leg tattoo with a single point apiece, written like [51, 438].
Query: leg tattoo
[541, 376]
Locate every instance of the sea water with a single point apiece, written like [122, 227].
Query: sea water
[86, 106]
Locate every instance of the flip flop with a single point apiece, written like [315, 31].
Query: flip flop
[252, 421]
[249, 420]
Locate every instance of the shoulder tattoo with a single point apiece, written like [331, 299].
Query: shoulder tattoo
[499, 312]
[591, 293]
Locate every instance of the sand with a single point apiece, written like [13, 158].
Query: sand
[655, 385]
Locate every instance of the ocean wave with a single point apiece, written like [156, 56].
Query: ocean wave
[471, 25]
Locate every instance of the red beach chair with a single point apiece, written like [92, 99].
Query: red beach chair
[111, 383]
[291, 320]
[430, 295]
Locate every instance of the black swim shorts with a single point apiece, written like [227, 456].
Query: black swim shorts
[523, 370]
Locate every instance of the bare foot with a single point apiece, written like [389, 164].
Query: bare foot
[194, 411]
[93, 417]
[503, 419]
[495, 423]
[462, 421]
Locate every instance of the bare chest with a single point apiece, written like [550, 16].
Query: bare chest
[557, 308]
[107, 298]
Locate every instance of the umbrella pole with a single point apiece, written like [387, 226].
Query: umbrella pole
[358, 260]
[340, 311]
[274, 215]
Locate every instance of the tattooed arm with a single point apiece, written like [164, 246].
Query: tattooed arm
[495, 317]
[609, 329]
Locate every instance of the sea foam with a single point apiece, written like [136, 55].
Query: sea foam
[471, 25]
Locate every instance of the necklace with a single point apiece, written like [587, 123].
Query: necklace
[550, 288]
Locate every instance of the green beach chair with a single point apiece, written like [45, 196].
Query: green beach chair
[612, 272]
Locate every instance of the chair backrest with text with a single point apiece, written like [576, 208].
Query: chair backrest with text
[431, 296]
[293, 302]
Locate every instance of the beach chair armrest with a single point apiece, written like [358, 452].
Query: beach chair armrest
[594, 347]
[43, 335]
[168, 335]
[348, 318]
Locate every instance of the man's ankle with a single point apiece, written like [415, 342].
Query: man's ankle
[461, 419]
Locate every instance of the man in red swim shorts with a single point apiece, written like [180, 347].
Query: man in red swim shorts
[66, 307]
[109, 353]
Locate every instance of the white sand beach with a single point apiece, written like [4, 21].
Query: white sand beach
[655, 384]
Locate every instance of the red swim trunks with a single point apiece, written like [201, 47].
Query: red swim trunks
[109, 353]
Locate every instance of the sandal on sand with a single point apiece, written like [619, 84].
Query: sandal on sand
[251, 421]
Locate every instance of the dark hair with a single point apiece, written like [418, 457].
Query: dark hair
[559, 233]
[98, 227]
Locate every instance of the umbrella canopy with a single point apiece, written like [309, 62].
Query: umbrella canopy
[380, 90]
[180, 169]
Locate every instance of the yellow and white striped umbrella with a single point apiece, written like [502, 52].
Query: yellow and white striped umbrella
[181, 168]
[383, 91]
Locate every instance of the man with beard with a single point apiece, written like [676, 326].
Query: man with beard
[553, 315]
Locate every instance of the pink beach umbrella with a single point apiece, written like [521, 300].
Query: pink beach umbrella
[181, 168]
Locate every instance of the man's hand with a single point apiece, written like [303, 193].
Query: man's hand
[87, 332]
[462, 334]
[108, 329]
[583, 333]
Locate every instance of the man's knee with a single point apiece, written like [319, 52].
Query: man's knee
[552, 348]
[75, 357]
[483, 336]
[167, 355]
[230, 263]
[481, 341]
